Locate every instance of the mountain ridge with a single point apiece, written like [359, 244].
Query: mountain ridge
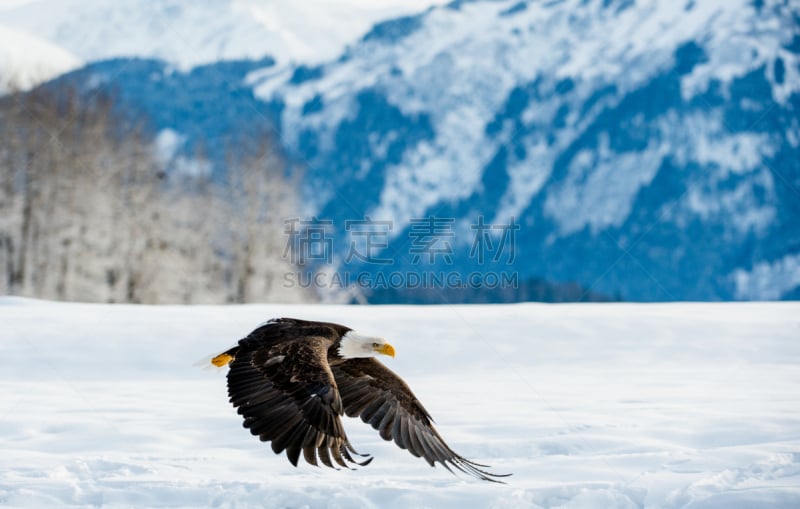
[639, 127]
[647, 150]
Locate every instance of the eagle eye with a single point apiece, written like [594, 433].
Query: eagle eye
[375, 345]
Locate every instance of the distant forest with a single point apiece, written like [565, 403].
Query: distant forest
[90, 212]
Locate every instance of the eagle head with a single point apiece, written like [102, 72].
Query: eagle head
[354, 345]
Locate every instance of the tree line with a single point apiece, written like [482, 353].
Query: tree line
[89, 210]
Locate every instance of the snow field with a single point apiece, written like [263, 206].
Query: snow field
[598, 405]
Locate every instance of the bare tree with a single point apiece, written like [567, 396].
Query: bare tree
[258, 187]
[87, 212]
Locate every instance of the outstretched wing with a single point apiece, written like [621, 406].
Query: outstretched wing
[287, 395]
[381, 398]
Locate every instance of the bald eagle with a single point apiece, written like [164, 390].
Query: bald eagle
[292, 380]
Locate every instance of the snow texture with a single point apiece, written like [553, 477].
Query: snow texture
[768, 281]
[193, 33]
[461, 81]
[620, 405]
[26, 61]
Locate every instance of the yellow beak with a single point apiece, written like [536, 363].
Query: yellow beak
[222, 359]
[385, 349]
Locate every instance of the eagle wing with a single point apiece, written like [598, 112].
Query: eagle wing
[381, 398]
[287, 394]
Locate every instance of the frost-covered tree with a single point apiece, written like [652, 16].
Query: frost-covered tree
[256, 187]
[87, 212]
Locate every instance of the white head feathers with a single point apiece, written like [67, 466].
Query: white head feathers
[354, 345]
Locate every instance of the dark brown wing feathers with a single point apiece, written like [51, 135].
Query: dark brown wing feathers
[281, 382]
[285, 391]
[382, 399]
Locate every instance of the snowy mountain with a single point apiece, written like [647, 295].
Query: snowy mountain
[187, 34]
[26, 61]
[648, 150]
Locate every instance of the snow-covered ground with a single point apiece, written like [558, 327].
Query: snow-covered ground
[596, 406]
